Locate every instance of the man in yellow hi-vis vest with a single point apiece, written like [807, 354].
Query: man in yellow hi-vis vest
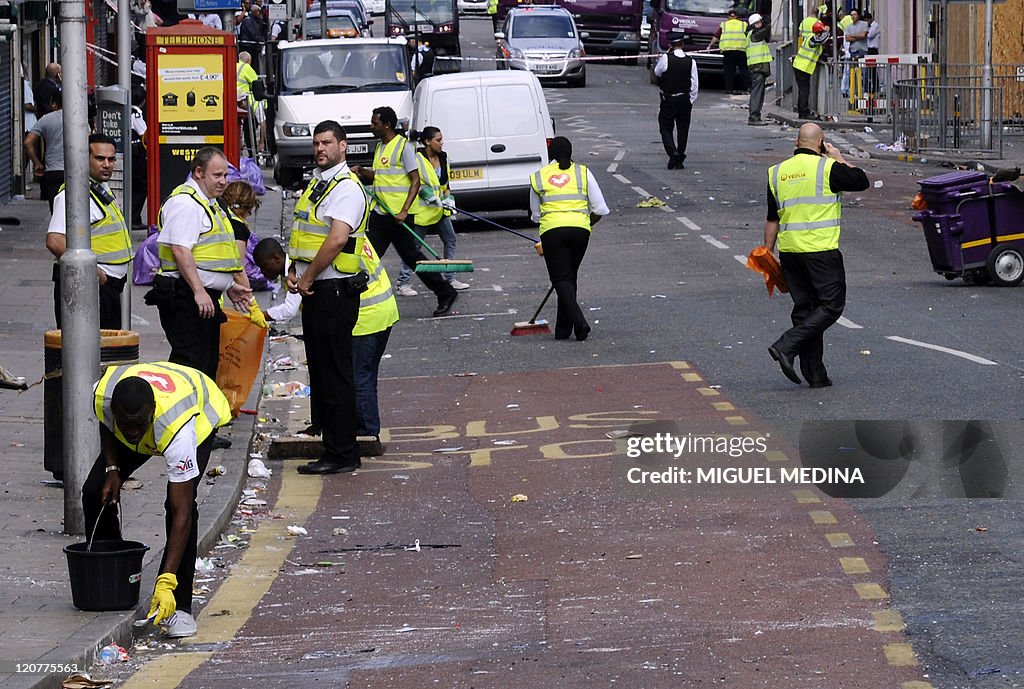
[804, 213]
[731, 38]
[108, 230]
[199, 261]
[166, 410]
[396, 181]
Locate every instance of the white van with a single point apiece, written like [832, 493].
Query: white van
[496, 130]
[335, 79]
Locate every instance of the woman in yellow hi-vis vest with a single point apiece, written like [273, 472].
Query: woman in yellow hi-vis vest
[567, 202]
[166, 410]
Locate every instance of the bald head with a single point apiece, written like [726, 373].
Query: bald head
[53, 71]
[810, 136]
[245, 57]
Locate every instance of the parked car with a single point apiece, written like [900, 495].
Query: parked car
[472, 6]
[543, 40]
[335, 80]
[496, 129]
[376, 7]
[342, 17]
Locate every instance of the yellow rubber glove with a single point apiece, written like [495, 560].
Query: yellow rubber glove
[163, 604]
[256, 315]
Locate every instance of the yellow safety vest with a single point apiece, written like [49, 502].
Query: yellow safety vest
[758, 52]
[734, 35]
[309, 232]
[390, 181]
[492, 6]
[806, 59]
[181, 393]
[806, 30]
[563, 196]
[427, 214]
[109, 236]
[215, 250]
[809, 211]
[245, 75]
[378, 308]
[843, 23]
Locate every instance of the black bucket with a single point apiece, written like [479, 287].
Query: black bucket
[108, 576]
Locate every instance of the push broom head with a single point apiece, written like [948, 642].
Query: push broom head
[537, 327]
[444, 266]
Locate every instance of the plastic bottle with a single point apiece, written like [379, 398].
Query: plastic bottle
[109, 655]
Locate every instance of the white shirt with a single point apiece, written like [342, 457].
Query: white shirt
[212, 20]
[138, 121]
[58, 225]
[346, 203]
[180, 454]
[874, 35]
[30, 117]
[662, 66]
[595, 199]
[183, 221]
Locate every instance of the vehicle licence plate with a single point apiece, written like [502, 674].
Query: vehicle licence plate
[546, 67]
[358, 148]
[467, 173]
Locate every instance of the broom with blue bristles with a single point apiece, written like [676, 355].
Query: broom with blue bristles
[438, 265]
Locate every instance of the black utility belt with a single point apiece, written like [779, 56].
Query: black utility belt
[166, 283]
[353, 284]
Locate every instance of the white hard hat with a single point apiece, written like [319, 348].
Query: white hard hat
[754, 18]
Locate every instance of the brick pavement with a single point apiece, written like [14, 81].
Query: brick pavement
[38, 623]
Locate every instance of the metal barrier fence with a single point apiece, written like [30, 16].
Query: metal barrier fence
[945, 114]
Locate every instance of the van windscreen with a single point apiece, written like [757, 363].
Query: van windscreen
[343, 67]
[717, 8]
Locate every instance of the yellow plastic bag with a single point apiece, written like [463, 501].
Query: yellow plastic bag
[241, 353]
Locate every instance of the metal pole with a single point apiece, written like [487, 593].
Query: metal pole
[79, 294]
[323, 18]
[124, 80]
[986, 82]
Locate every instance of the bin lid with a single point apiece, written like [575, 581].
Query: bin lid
[108, 338]
[951, 180]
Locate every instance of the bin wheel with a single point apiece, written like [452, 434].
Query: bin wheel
[950, 276]
[1006, 265]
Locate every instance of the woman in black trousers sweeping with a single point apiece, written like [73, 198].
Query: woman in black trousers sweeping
[567, 202]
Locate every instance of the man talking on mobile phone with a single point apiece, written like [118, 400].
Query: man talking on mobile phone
[804, 214]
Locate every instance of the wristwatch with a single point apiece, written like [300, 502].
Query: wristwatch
[112, 467]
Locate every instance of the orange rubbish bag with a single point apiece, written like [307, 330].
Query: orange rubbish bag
[241, 354]
[763, 261]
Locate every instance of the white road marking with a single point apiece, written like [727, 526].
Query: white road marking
[741, 259]
[620, 155]
[612, 167]
[714, 242]
[621, 179]
[641, 191]
[847, 323]
[689, 223]
[509, 312]
[946, 350]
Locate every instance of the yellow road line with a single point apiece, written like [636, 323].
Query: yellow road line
[679, 364]
[242, 590]
[916, 685]
[899, 654]
[776, 456]
[708, 392]
[723, 406]
[839, 540]
[692, 378]
[823, 517]
[870, 591]
[854, 565]
[805, 496]
[888, 621]
[736, 421]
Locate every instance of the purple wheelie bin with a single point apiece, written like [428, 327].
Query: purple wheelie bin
[974, 228]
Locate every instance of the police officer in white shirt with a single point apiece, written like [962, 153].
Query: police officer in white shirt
[677, 77]
[197, 265]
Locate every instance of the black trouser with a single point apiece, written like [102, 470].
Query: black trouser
[735, 64]
[49, 185]
[757, 81]
[817, 283]
[675, 113]
[109, 528]
[564, 248]
[383, 231]
[110, 300]
[194, 340]
[328, 316]
[803, 94]
[140, 174]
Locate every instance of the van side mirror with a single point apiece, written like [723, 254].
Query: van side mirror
[500, 35]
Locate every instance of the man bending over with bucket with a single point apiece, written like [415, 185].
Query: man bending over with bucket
[168, 410]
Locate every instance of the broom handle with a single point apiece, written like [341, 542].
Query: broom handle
[541, 307]
[499, 226]
[416, 236]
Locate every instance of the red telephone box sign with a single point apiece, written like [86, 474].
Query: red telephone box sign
[190, 94]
